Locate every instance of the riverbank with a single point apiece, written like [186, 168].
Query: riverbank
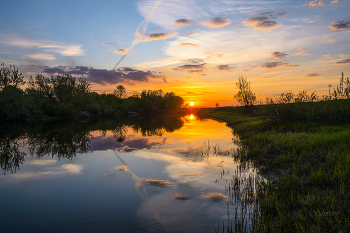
[306, 164]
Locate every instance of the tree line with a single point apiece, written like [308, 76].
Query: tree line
[289, 107]
[66, 96]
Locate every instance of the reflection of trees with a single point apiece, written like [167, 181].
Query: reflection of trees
[120, 133]
[63, 141]
[10, 155]
[158, 125]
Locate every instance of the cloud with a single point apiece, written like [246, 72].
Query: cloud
[339, 25]
[281, 13]
[334, 1]
[214, 55]
[217, 22]
[327, 58]
[328, 40]
[311, 75]
[226, 68]
[188, 33]
[189, 44]
[46, 57]
[300, 52]
[264, 13]
[315, 3]
[344, 62]
[276, 64]
[110, 43]
[103, 76]
[195, 60]
[261, 23]
[182, 23]
[300, 59]
[180, 196]
[190, 68]
[215, 197]
[158, 183]
[121, 51]
[159, 36]
[51, 172]
[122, 168]
[278, 55]
[46, 45]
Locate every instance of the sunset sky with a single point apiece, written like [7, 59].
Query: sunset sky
[195, 48]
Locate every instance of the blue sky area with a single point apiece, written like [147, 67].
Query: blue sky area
[195, 48]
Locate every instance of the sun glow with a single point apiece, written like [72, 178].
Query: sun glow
[191, 103]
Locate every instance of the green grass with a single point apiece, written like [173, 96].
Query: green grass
[306, 163]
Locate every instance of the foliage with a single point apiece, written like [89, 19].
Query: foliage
[120, 92]
[9, 76]
[65, 96]
[306, 166]
[244, 95]
[334, 108]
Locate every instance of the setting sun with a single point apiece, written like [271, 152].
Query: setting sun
[191, 103]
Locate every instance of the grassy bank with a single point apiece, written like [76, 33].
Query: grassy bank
[306, 161]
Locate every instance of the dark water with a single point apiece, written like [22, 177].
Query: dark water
[165, 175]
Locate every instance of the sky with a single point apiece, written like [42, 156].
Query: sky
[194, 48]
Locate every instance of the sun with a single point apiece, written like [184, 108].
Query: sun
[191, 103]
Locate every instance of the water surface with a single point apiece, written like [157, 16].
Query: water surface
[168, 176]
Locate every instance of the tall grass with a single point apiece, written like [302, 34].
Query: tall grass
[304, 155]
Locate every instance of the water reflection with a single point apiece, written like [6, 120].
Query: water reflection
[171, 175]
[65, 140]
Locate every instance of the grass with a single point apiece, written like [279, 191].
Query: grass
[306, 163]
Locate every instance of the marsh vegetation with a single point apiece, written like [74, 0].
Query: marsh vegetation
[300, 144]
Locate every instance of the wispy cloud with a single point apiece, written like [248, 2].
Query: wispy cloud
[182, 23]
[344, 62]
[311, 75]
[278, 55]
[334, 1]
[215, 197]
[46, 57]
[64, 170]
[199, 68]
[261, 23]
[122, 168]
[339, 25]
[217, 22]
[121, 51]
[189, 44]
[315, 3]
[339, 63]
[300, 52]
[276, 64]
[328, 40]
[327, 58]
[46, 45]
[227, 68]
[159, 36]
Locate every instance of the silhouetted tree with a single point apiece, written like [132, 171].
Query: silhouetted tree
[244, 95]
[120, 92]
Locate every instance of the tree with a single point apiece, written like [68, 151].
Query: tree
[120, 92]
[9, 76]
[244, 95]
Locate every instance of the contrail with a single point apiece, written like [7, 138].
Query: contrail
[140, 188]
[140, 32]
